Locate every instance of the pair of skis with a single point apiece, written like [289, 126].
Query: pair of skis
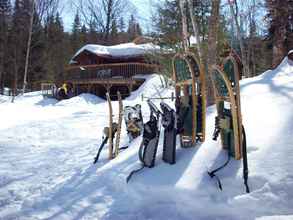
[113, 131]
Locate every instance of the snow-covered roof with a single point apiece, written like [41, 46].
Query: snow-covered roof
[120, 50]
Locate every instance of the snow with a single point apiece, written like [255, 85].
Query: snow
[193, 40]
[126, 49]
[47, 149]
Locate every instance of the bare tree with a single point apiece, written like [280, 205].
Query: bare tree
[43, 9]
[234, 13]
[182, 5]
[212, 45]
[102, 13]
[195, 30]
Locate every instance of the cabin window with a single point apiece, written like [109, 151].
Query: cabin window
[107, 73]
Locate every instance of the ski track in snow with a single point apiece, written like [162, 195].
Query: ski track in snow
[47, 149]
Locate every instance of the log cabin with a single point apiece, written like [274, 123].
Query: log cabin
[98, 69]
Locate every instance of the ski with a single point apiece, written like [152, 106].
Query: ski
[120, 117]
[190, 99]
[111, 133]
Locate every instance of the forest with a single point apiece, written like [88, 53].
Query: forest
[35, 46]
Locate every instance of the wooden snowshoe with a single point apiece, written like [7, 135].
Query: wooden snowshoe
[227, 96]
[190, 98]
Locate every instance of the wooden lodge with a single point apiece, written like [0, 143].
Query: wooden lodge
[99, 69]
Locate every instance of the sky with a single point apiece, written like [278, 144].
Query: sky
[142, 10]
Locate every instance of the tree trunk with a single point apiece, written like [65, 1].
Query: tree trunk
[212, 46]
[14, 81]
[182, 4]
[28, 47]
[243, 56]
[108, 19]
[3, 38]
[195, 30]
[279, 49]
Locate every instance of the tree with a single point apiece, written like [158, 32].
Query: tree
[195, 30]
[76, 31]
[133, 28]
[280, 27]
[30, 32]
[167, 22]
[234, 12]
[121, 26]
[185, 34]
[5, 16]
[103, 14]
[212, 45]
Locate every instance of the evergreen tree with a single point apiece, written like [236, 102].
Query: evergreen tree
[168, 22]
[75, 36]
[5, 16]
[121, 26]
[83, 35]
[134, 29]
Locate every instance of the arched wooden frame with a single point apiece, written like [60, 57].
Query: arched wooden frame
[202, 81]
[184, 84]
[236, 120]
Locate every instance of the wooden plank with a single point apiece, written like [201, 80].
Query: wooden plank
[110, 126]
[120, 116]
[107, 81]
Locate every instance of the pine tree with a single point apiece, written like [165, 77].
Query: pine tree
[168, 22]
[83, 35]
[121, 26]
[134, 29]
[75, 36]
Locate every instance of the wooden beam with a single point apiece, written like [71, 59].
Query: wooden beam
[111, 65]
[107, 81]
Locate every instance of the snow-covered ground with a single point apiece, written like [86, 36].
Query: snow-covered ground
[47, 149]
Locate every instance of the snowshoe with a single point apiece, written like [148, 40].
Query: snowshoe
[170, 132]
[190, 100]
[228, 123]
[150, 139]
